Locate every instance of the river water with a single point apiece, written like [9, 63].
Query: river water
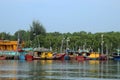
[59, 70]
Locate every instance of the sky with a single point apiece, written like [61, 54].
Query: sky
[60, 15]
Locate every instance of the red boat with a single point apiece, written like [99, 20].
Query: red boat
[103, 57]
[59, 56]
[2, 57]
[80, 58]
[28, 57]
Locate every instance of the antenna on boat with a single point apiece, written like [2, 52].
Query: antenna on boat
[62, 44]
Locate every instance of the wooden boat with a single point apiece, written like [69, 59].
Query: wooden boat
[47, 55]
[93, 56]
[116, 56]
[72, 55]
[86, 55]
[103, 57]
[41, 55]
[80, 58]
[59, 56]
[66, 57]
[2, 57]
[21, 54]
[21, 57]
[96, 56]
[29, 57]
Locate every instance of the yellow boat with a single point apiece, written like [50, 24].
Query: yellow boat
[43, 56]
[94, 55]
[97, 56]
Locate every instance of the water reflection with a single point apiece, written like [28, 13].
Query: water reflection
[59, 70]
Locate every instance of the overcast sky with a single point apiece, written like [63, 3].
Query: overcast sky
[60, 15]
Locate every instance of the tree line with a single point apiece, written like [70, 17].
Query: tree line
[37, 36]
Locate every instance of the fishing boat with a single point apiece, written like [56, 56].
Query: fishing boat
[48, 56]
[66, 57]
[21, 55]
[96, 56]
[116, 55]
[80, 57]
[19, 49]
[103, 57]
[29, 56]
[75, 55]
[8, 49]
[25, 55]
[42, 54]
[72, 55]
[58, 56]
[2, 57]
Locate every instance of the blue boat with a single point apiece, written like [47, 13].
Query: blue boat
[116, 56]
[21, 57]
[66, 57]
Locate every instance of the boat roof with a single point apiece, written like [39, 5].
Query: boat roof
[41, 49]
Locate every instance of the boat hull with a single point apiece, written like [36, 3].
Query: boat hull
[39, 58]
[28, 57]
[80, 58]
[2, 57]
[57, 57]
[116, 58]
[21, 57]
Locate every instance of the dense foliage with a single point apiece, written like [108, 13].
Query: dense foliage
[37, 37]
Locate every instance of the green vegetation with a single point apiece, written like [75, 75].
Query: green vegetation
[38, 37]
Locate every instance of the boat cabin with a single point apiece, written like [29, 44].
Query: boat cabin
[7, 45]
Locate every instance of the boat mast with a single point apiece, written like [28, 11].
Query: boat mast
[106, 49]
[118, 52]
[62, 44]
[102, 44]
[18, 40]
